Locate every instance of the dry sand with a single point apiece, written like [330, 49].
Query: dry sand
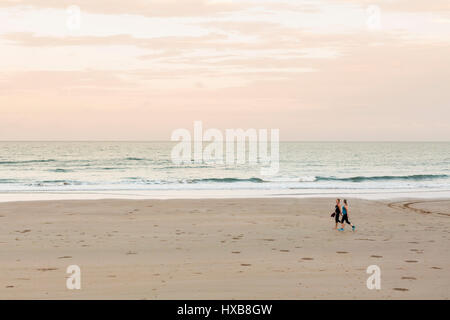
[224, 249]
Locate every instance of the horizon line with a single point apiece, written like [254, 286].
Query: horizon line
[317, 141]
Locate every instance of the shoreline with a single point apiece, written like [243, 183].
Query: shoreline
[266, 248]
[222, 194]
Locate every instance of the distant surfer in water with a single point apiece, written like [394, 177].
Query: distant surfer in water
[337, 212]
[345, 216]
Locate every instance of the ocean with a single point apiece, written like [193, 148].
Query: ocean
[305, 167]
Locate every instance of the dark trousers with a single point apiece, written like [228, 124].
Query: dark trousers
[345, 218]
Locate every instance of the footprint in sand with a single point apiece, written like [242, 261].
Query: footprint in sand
[341, 252]
[131, 252]
[283, 250]
[236, 252]
[9, 287]
[47, 269]
[400, 289]
[437, 268]
[245, 264]
[307, 258]
[23, 231]
[268, 239]
[65, 257]
[375, 256]
[408, 278]
[411, 261]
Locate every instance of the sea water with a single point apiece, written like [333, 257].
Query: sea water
[305, 168]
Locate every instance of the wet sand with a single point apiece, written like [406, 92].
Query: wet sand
[224, 249]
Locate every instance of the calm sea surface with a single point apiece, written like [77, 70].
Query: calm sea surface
[105, 166]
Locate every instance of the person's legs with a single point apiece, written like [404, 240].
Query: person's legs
[340, 221]
[345, 218]
[336, 218]
[353, 227]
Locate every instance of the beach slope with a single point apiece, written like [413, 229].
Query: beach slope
[224, 249]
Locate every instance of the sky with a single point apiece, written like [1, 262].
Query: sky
[139, 69]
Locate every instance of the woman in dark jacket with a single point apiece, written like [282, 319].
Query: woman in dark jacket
[337, 212]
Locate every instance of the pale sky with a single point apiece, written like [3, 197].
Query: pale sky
[139, 69]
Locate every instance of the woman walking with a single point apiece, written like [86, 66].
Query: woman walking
[337, 212]
[345, 217]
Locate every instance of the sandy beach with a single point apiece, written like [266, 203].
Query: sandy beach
[224, 249]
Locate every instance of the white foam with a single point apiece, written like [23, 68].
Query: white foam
[214, 194]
